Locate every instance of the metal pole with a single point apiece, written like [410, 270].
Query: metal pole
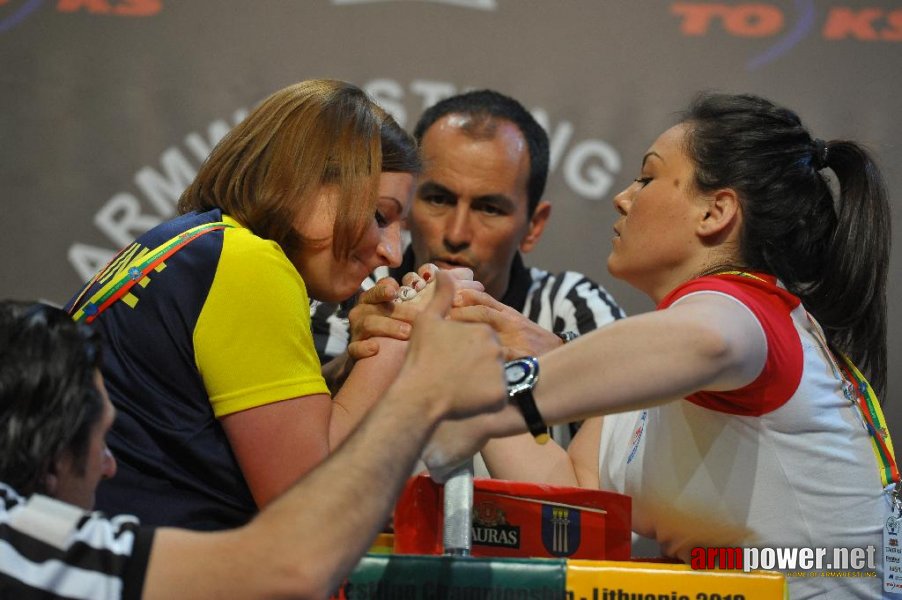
[458, 525]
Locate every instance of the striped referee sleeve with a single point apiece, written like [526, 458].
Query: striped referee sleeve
[569, 301]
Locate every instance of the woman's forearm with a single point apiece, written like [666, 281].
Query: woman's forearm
[520, 458]
[365, 384]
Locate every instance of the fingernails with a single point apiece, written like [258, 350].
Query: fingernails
[404, 329]
[406, 293]
[413, 280]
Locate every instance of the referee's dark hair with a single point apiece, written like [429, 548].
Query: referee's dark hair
[485, 108]
[48, 395]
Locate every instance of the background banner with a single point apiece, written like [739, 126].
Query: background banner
[109, 106]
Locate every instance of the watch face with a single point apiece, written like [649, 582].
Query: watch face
[521, 374]
[515, 373]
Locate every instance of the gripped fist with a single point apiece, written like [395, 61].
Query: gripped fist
[388, 309]
[377, 315]
[415, 286]
[456, 368]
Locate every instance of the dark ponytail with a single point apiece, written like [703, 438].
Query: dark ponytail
[833, 254]
[850, 299]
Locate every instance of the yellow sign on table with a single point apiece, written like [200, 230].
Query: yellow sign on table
[611, 580]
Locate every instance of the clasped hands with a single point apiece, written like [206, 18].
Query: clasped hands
[389, 308]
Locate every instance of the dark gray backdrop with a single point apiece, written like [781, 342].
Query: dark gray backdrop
[109, 106]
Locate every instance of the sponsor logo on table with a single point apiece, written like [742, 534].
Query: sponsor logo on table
[490, 527]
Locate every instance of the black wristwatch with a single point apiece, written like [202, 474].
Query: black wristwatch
[522, 374]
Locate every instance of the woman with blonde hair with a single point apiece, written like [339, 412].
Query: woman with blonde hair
[211, 366]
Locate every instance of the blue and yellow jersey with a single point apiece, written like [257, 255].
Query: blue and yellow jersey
[220, 326]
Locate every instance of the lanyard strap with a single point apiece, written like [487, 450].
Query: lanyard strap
[867, 402]
[861, 396]
[135, 272]
[740, 274]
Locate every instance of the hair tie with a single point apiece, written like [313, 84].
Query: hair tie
[819, 154]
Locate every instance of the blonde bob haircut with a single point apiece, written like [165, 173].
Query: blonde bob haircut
[266, 171]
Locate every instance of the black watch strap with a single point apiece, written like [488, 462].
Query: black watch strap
[522, 375]
[534, 421]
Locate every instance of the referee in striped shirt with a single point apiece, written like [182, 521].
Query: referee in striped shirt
[478, 205]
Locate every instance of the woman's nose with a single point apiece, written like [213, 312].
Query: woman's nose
[621, 201]
[389, 247]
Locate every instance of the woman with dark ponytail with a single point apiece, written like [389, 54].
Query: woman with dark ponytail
[738, 413]
[832, 254]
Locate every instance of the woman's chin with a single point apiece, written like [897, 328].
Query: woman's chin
[613, 266]
[333, 294]
[617, 269]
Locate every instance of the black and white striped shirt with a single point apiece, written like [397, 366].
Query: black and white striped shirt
[50, 549]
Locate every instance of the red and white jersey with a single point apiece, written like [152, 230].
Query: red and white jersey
[785, 461]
